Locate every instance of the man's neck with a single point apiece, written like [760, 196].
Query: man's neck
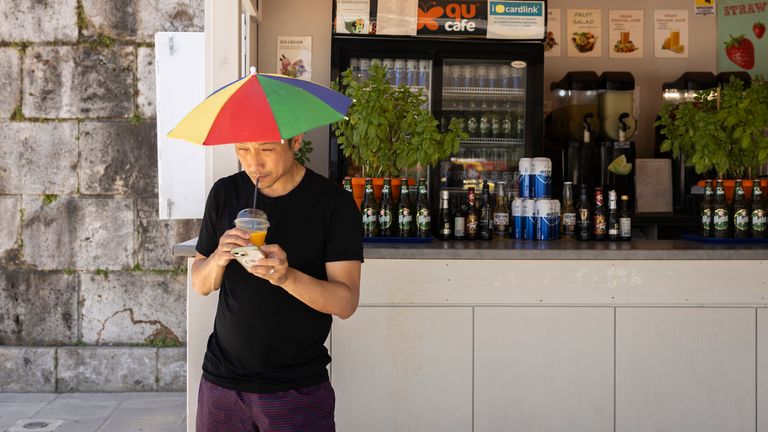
[287, 183]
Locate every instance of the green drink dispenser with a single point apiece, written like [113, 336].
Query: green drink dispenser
[617, 99]
[574, 96]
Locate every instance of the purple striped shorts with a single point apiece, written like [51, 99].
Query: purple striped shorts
[308, 409]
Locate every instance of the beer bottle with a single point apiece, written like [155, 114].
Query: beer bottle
[705, 210]
[404, 211]
[485, 223]
[613, 216]
[485, 121]
[471, 215]
[369, 210]
[473, 120]
[444, 217]
[625, 220]
[568, 213]
[758, 219]
[459, 222]
[348, 184]
[599, 228]
[501, 212]
[583, 216]
[386, 209]
[423, 211]
[740, 212]
[720, 219]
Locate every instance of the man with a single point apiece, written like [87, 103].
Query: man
[265, 364]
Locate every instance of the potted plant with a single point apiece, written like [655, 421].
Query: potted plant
[388, 131]
[725, 130]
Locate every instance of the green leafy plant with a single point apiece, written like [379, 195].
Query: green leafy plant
[725, 130]
[387, 130]
[302, 155]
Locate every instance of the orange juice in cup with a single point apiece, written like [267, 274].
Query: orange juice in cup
[674, 39]
[258, 238]
[254, 222]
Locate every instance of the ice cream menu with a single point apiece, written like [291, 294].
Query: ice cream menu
[671, 34]
[625, 35]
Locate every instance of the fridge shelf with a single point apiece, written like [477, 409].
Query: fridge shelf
[493, 142]
[475, 91]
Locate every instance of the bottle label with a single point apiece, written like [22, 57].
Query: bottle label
[720, 219]
[569, 221]
[625, 227]
[501, 219]
[404, 219]
[706, 219]
[613, 231]
[445, 230]
[423, 220]
[458, 227]
[369, 219]
[758, 220]
[385, 219]
[472, 226]
[741, 220]
[599, 225]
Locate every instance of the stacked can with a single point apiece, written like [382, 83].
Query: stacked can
[547, 219]
[525, 186]
[529, 216]
[411, 72]
[556, 210]
[517, 226]
[542, 177]
[424, 68]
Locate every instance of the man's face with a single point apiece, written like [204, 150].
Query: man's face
[269, 163]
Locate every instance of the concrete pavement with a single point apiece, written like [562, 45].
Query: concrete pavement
[93, 412]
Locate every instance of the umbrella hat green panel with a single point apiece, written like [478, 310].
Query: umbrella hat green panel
[294, 109]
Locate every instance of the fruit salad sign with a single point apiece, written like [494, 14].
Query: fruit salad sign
[671, 33]
[625, 35]
[741, 41]
[584, 33]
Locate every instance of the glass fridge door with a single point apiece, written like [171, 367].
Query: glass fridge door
[488, 98]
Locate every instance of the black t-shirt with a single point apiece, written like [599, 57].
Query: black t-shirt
[265, 340]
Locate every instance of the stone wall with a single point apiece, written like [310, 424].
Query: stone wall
[91, 298]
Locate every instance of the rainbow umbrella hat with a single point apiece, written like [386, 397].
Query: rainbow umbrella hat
[261, 108]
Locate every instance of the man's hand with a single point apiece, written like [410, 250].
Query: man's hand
[274, 267]
[229, 240]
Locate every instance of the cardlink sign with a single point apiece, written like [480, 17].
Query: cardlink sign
[452, 18]
[516, 19]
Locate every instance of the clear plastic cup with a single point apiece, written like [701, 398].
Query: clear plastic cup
[255, 222]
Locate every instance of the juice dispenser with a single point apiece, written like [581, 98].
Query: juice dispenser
[573, 124]
[618, 125]
[683, 178]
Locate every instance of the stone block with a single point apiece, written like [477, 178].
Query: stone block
[131, 307]
[38, 158]
[10, 80]
[156, 237]
[27, 369]
[9, 229]
[37, 308]
[106, 369]
[172, 369]
[38, 21]
[118, 157]
[78, 81]
[141, 19]
[83, 233]
[146, 82]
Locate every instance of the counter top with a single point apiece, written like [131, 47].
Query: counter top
[550, 250]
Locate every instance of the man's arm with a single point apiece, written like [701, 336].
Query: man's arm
[339, 295]
[207, 272]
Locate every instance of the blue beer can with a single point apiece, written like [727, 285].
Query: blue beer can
[424, 68]
[518, 222]
[556, 225]
[525, 186]
[529, 215]
[542, 178]
[543, 216]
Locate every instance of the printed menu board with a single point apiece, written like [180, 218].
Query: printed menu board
[516, 19]
[294, 56]
[452, 18]
[584, 33]
[670, 33]
[353, 16]
[741, 40]
[625, 34]
[554, 35]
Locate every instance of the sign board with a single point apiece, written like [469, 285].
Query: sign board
[742, 44]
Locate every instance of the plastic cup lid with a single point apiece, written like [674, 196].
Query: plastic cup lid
[252, 213]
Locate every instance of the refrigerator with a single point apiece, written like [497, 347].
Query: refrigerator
[495, 88]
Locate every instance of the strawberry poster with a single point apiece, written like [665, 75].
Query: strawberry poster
[670, 34]
[741, 41]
